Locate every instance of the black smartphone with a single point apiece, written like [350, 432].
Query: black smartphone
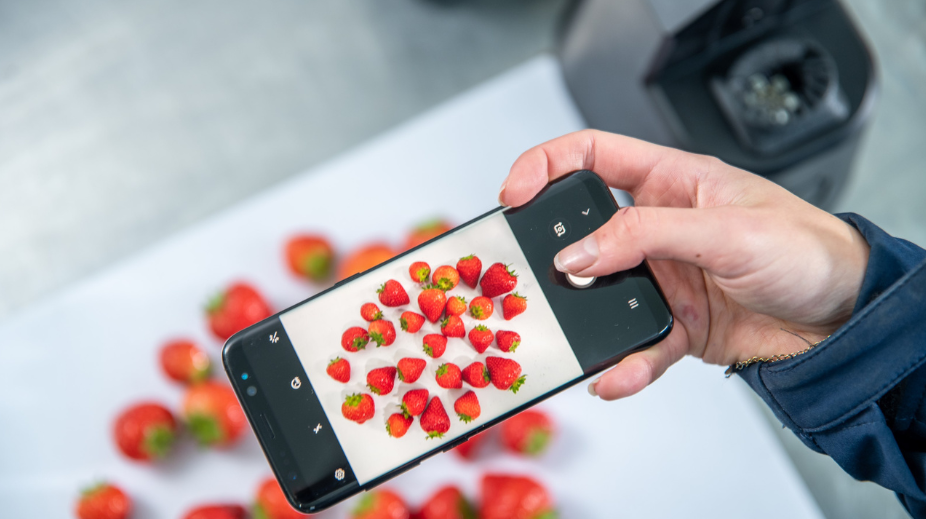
[327, 439]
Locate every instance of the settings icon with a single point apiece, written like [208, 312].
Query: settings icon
[339, 474]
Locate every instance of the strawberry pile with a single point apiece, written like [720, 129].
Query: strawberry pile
[437, 315]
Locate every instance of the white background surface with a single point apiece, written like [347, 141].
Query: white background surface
[690, 446]
[315, 330]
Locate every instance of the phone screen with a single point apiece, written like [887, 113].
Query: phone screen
[564, 334]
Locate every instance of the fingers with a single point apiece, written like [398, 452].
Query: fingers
[641, 369]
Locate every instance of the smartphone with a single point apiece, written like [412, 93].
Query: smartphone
[571, 329]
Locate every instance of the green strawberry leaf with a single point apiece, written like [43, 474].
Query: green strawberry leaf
[536, 442]
[206, 429]
[158, 441]
[259, 513]
[518, 383]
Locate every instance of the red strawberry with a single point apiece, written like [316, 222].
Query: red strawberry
[381, 380]
[467, 450]
[528, 432]
[432, 301]
[354, 339]
[339, 369]
[364, 259]
[380, 504]
[434, 420]
[410, 369]
[391, 293]
[271, 503]
[217, 512]
[358, 407]
[481, 308]
[383, 332]
[512, 305]
[449, 376]
[453, 327]
[469, 268]
[411, 322]
[456, 305]
[446, 503]
[425, 231]
[213, 414]
[103, 501]
[514, 497]
[397, 425]
[505, 373]
[498, 280]
[508, 341]
[310, 256]
[419, 271]
[434, 345]
[238, 307]
[145, 431]
[467, 407]
[476, 375]
[481, 337]
[414, 402]
[445, 277]
[370, 312]
[182, 361]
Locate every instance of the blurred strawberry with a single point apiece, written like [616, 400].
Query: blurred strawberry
[183, 362]
[528, 432]
[380, 504]
[145, 431]
[217, 512]
[468, 449]
[447, 503]
[310, 256]
[364, 259]
[238, 307]
[271, 503]
[425, 231]
[514, 497]
[213, 414]
[419, 271]
[470, 267]
[103, 501]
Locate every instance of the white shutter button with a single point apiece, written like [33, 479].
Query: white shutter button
[580, 282]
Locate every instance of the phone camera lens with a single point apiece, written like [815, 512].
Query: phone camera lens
[252, 390]
[244, 376]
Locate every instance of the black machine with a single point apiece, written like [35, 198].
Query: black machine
[782, 88]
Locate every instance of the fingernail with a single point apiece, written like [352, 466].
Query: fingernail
[501, 193]
[591, 388]
[578, 256]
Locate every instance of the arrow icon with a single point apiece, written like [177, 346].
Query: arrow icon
[585, 212]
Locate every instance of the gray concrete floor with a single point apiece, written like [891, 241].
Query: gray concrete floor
[121, 123]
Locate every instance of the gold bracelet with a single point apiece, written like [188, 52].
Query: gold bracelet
[739, 366]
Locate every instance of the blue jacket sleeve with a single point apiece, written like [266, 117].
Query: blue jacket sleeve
[860, 396]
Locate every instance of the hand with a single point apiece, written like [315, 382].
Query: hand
[748, 268]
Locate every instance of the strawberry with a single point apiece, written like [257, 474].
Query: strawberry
[434, 420]
[453, 327]
[339, 369]
[497, 280]
[432, 301]
[514, 497]
[508, 341]
[381, 380]
[213, 414]
[397, 424]
[456, 305]
[467, 407]
[358, 407]
[370, 312]
[410, 369]
[425, 231]
[217, 512]
[271, 503]
[238, 307]
[505, 373]
[449, 376]
[447, 503]
[467, 450]
[476, 375]
[434, 345]
[469, 268]
[391, 293]
[481, 337]
[445, 277]
[513, 305]
[310, 257]
[354, 339]
[103, 501]
[481, 308]
[383, 332]
[414, 402]
[145, 431]
[528, 432]
[364, 259]
[411, 322]
[380, 504]
[419, 271]
[183, 362]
